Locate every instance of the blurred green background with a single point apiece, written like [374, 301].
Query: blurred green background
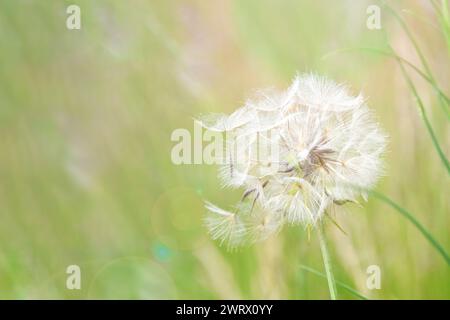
[85, 171]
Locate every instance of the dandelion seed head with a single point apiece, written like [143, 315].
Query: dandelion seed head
[295, 153]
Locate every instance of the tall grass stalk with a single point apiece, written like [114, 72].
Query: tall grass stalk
[444, 19]
[444, 104]
[424, 116]
[395, 56]
[415, 222]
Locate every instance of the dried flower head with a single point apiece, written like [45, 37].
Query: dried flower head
[295, 154]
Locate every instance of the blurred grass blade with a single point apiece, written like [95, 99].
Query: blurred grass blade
[444, 19]
[403, 60]
[410, 37]
[339, 283]
[415, 222]
[418, 51]
[446, 22]
[425, 118]
[422, 19]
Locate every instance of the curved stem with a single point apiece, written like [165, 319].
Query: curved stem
[415, 222]
[327, 261]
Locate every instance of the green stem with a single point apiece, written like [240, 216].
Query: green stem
[415, 222]
[409, 34]
[327, 261]
[423, 113]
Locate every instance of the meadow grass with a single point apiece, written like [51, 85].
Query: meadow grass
[85, 124]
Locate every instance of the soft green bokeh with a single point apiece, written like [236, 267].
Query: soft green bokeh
[85, 171]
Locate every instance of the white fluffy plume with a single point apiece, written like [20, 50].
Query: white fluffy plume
[295, 154]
